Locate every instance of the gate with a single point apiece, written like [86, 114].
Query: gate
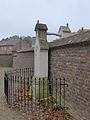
[6, 86]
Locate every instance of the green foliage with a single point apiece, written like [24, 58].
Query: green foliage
[15, 37]
[28, 39]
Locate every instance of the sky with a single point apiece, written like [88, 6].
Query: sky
[18, 17]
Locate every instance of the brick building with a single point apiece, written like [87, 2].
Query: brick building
[7, 46]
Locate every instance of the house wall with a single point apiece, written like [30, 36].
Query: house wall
[6, 60]
[6, 49]
[21, 45]
[73, 63]
[24, 59]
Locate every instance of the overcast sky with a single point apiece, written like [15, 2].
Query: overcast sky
[18, 17]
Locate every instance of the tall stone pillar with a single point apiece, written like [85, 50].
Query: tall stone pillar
[40, 61]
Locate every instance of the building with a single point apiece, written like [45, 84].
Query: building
[8, 46]
[64, 31]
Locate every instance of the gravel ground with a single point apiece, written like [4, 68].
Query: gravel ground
[5, 112]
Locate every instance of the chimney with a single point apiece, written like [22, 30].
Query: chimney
[82, 28]
[67, 24]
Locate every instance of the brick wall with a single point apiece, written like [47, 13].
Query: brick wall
[22, 45]
[6, 60]
[6, 49]
[24, 59]
[73, 62]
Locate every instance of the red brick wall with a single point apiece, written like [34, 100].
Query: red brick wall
[21, 45]
[24, 60]
[6, 60]
[73, 63]
[6, 49]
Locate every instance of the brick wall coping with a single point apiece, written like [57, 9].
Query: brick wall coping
[74, 39]
[5, 54]
[26, 50]
[5, 45]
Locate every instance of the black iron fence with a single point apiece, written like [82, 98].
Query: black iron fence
[27, 93]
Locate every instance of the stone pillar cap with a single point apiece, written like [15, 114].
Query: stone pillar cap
[40, 26]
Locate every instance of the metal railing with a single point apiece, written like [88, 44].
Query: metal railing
[31, 94]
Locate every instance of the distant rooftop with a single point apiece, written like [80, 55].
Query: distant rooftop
[9, 42]
[64, 29]
[13, 42]
[83, 30]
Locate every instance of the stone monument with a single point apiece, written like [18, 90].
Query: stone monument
[40, 79]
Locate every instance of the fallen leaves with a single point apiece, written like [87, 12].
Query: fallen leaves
[45, 109]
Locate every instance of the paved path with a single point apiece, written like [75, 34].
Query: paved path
[5, 112]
